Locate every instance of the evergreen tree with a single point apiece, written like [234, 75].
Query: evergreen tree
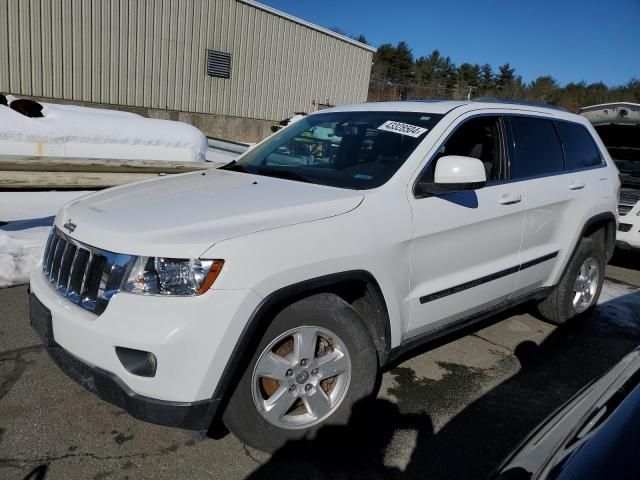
[505, 80]
[361, 38]
[395, 73]
[487, 80]
[381, 68]
[428, 69]
[469, 75]
[402, 65]
[543, 89]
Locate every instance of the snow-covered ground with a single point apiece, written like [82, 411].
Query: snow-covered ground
[20, 251]
[29, 205]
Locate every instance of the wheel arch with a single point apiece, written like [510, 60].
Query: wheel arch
[606, 223]
[602, 222]
[371, 303]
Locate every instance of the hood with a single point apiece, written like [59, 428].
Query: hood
[182, 216]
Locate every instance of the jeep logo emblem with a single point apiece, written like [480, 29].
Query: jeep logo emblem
[70, 226]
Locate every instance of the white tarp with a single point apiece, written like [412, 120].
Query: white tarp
[70, 131]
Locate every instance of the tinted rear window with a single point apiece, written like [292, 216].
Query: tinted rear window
[537, 149]
[579, 148]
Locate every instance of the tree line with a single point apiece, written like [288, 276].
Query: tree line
[397, 75]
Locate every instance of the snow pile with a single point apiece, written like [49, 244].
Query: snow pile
[71, 131]
[20, 252]
[29, 216]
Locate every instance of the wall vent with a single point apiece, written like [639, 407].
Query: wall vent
[218, 64]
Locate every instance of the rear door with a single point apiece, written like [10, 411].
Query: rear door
[583, 155]
[557, 199]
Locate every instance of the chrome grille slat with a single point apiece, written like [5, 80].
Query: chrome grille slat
[47, 252]
[65, 267]
[71, 266]
[55, 267]
[76, 278]
[52, 250]
[87, 276]
[91, 286]
[65, 249]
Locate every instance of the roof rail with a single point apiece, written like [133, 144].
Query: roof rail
[518, 102]
[431, 100]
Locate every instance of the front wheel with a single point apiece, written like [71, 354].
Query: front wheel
[580, 286]
[314, 362]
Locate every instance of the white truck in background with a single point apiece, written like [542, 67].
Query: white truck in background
[618, 125]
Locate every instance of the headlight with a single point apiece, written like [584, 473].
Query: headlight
[172, 276]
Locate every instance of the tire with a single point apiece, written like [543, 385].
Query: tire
[560, 305]
[349, 348]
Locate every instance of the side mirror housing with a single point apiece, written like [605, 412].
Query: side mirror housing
[455, 173]
[459, 170]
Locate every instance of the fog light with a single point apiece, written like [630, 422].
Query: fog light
[138, 362]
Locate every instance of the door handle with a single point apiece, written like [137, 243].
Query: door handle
[510, 199]
[576, 185]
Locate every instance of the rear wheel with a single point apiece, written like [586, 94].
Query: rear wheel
[580, 286]
[315, 360]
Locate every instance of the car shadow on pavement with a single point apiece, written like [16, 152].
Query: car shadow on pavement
[629, 259]
[474, 441]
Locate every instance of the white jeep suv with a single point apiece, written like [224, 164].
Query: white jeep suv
[269, 293]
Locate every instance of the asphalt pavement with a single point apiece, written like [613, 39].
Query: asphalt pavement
[450, 411]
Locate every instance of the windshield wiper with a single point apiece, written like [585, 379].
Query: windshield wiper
[234, 166]
[268, 172]
[286, 174]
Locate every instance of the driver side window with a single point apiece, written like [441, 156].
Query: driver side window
[480, 138]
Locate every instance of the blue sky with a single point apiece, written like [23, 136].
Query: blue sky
[572, 40]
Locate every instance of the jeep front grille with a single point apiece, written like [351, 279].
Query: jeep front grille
[85, 275]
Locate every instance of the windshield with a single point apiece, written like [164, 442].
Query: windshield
[357, 150]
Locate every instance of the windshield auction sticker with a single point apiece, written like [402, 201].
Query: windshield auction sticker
[402, 128]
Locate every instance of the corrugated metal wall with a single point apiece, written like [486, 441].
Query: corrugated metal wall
[152, 53]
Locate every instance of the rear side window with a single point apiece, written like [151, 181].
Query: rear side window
[536, 148]
[579, 148]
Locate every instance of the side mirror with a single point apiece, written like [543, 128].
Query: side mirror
[455, 173]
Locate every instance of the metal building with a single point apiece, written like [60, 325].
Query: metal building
[231, 67]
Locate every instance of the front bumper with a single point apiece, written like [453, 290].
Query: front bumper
[111, 389]
[628, 235]
[629, 239]
[192, 339]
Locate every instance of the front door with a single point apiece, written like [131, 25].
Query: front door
[465, 255]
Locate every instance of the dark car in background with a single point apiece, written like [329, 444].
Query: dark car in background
[594, 436]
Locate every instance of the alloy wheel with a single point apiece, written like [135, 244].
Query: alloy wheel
[301, 377]
[586, 285]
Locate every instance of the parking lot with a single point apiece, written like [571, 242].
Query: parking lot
[451, 411]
